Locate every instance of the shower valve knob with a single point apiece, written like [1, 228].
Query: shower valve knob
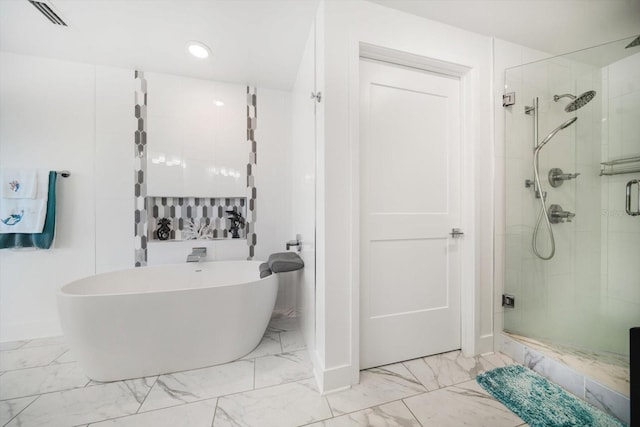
[557, 215]
[557, 177]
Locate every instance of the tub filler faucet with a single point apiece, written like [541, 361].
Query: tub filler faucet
[197, 254]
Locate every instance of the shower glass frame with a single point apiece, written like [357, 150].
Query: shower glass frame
[588, 294]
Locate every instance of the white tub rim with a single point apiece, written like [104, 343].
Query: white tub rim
[61, 292]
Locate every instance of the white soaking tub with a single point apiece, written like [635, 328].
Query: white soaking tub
[156, 320]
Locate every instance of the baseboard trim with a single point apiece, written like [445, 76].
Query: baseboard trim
[334, 379]
[485, 344]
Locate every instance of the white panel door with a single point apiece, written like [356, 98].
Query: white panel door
[410, 201]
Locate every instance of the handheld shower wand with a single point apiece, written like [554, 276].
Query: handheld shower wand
[543, 204]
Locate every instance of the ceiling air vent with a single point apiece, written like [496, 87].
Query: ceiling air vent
[46, 9]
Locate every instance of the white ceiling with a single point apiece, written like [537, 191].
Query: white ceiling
[553, 26]
[258, 42]
[261, 41]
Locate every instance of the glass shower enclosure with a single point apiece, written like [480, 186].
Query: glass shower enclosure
[575, 280]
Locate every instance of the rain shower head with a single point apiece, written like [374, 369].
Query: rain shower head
[553, 133]
[577, 102]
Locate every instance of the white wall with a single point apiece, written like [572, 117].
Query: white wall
[274, 182]
[48, 112]
[114, 165]
[273, 171]
[303, 193]
[186, 126]
[62, 115]
[347, 24]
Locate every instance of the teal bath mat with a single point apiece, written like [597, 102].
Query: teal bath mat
[539, 402]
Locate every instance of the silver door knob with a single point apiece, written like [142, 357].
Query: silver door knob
[456, 232]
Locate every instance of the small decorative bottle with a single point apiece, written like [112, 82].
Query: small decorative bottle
[164, 230]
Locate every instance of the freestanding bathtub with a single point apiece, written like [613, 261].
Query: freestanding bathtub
[156, 320]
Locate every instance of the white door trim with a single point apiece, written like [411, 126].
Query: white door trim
[470, 328]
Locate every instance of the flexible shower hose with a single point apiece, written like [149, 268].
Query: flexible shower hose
[543, 212]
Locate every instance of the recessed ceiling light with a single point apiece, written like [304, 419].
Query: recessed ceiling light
[199, 50]
[219, 103]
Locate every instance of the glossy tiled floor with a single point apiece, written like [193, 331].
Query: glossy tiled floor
[42, 385]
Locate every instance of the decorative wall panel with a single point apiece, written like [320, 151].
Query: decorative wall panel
[140, 170]
[189, 215]
[252, 193]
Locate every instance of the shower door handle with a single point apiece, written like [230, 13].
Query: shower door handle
[630, 184]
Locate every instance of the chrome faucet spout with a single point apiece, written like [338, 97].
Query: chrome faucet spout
[197, 254]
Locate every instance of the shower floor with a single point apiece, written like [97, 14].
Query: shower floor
[609, 369]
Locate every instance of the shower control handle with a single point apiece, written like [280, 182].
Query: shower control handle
[557, 177]
[557, 215]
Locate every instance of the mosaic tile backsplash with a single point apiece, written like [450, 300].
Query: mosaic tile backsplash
[195, 217]
[252, 124]
[140, 170]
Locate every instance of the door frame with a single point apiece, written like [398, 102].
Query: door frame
[469, 310]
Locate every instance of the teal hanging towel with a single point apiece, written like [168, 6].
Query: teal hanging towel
[36, 240]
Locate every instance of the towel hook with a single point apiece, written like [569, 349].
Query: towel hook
[64, 173]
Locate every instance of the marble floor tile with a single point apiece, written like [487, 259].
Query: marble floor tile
[285, 405]
[292, 341]
[79, 406]
[388, 415]
[139, 387]
[66, 357]
[198, 414]
[282, 368]
[446, 369]
[25, 357]
[12, 345]
[11, 408]
[270, 344]
[283, 324]
[498, 359]
[46, 379]
[39, 342]
[198, 384]
[465, 404]
[377, 386]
